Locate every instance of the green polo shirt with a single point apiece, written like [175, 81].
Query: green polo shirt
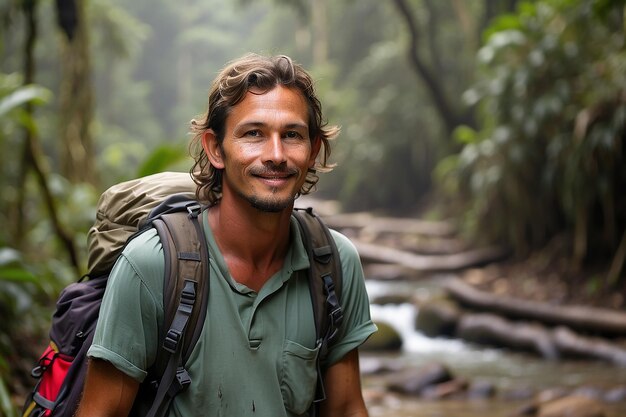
[256, 355]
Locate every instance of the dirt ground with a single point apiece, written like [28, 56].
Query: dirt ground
[542, 278]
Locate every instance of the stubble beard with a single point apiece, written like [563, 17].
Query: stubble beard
[269, 204]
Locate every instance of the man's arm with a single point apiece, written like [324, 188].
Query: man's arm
[342, 383]
[108, 391]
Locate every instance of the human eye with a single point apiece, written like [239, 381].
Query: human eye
[254, 133]
[292, 134]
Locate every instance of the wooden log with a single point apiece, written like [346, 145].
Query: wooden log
[580, 318]
[376, 253]
[573, 344]
[495, 330]
[375, 224]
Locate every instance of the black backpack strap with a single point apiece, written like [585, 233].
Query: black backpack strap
[325, 282]
[185, 299]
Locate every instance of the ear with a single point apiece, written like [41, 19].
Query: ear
[212, 149]
[316, 145]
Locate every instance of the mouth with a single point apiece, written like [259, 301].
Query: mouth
[273, 176]
[274, 181]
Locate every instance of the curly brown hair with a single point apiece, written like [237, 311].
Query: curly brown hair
[260, 73]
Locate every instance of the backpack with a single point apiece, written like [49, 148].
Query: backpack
[165, 201]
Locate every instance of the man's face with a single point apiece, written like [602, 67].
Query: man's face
[266, 151]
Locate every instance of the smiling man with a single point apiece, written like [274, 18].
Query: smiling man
[257, 148]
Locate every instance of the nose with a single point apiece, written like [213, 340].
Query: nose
[275, 150]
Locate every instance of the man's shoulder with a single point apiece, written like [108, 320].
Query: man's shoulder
[344, 245]
[144, 254]
[144, 244]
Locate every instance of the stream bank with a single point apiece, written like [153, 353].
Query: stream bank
[407, 263]
[513, 380]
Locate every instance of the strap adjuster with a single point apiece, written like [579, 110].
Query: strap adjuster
[188, 295]
[183, 379]
[194, 210]
[171, 340]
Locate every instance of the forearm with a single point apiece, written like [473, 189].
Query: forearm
[358, 412]
[108, 392]
[342, 383]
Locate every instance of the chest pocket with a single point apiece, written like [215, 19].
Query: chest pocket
[298, 377]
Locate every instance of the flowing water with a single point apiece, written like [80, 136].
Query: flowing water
[508, 371]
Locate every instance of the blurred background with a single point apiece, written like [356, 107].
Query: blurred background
[502, 120]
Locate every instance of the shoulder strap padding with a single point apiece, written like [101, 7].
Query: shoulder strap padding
[325, 274]
[185, 299]
[186, 261]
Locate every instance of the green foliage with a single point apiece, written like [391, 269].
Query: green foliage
[391, 134]
[549, 156]
[161, 159]
[21, 298]
[22, 96]
[6, 407]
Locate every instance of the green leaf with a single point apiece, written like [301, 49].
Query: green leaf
[23, 95]
[6, 408]
[16, 274]
[9, 255]
[162, 158]
[11, 268]
[465, 135]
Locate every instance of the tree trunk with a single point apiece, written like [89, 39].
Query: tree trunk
[19, 226]
[450, 116]
[466, 21]
[76, 103]
[32, 156]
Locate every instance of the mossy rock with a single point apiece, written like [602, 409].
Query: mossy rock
[385, 339]
[438, 318]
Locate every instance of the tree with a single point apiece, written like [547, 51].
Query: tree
[451, 115]
[548, 159]
[75, 95]
[32, 158]
[429, 69]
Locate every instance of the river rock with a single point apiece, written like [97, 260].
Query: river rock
[616, 394]
[563, 406]
[572, 406]
[374, 365]
[385, 339]
[415, 381]
[481, 389]
[438, 318]
[518, 393]
[392, 299]
[447, 389]
[588, 391]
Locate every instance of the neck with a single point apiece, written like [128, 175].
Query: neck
[253, 243]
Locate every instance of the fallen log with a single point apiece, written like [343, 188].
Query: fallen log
[494, 330]
[580, 318]
[572, 344]
[490, 329]
[376, 253]
[374, 224]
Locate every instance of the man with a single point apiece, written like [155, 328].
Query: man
[257, 150]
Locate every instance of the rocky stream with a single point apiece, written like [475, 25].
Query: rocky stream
[448, 347]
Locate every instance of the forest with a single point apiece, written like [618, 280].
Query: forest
[507, 116]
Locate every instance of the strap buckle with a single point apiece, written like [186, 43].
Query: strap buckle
[171, 340]
[183, 379]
